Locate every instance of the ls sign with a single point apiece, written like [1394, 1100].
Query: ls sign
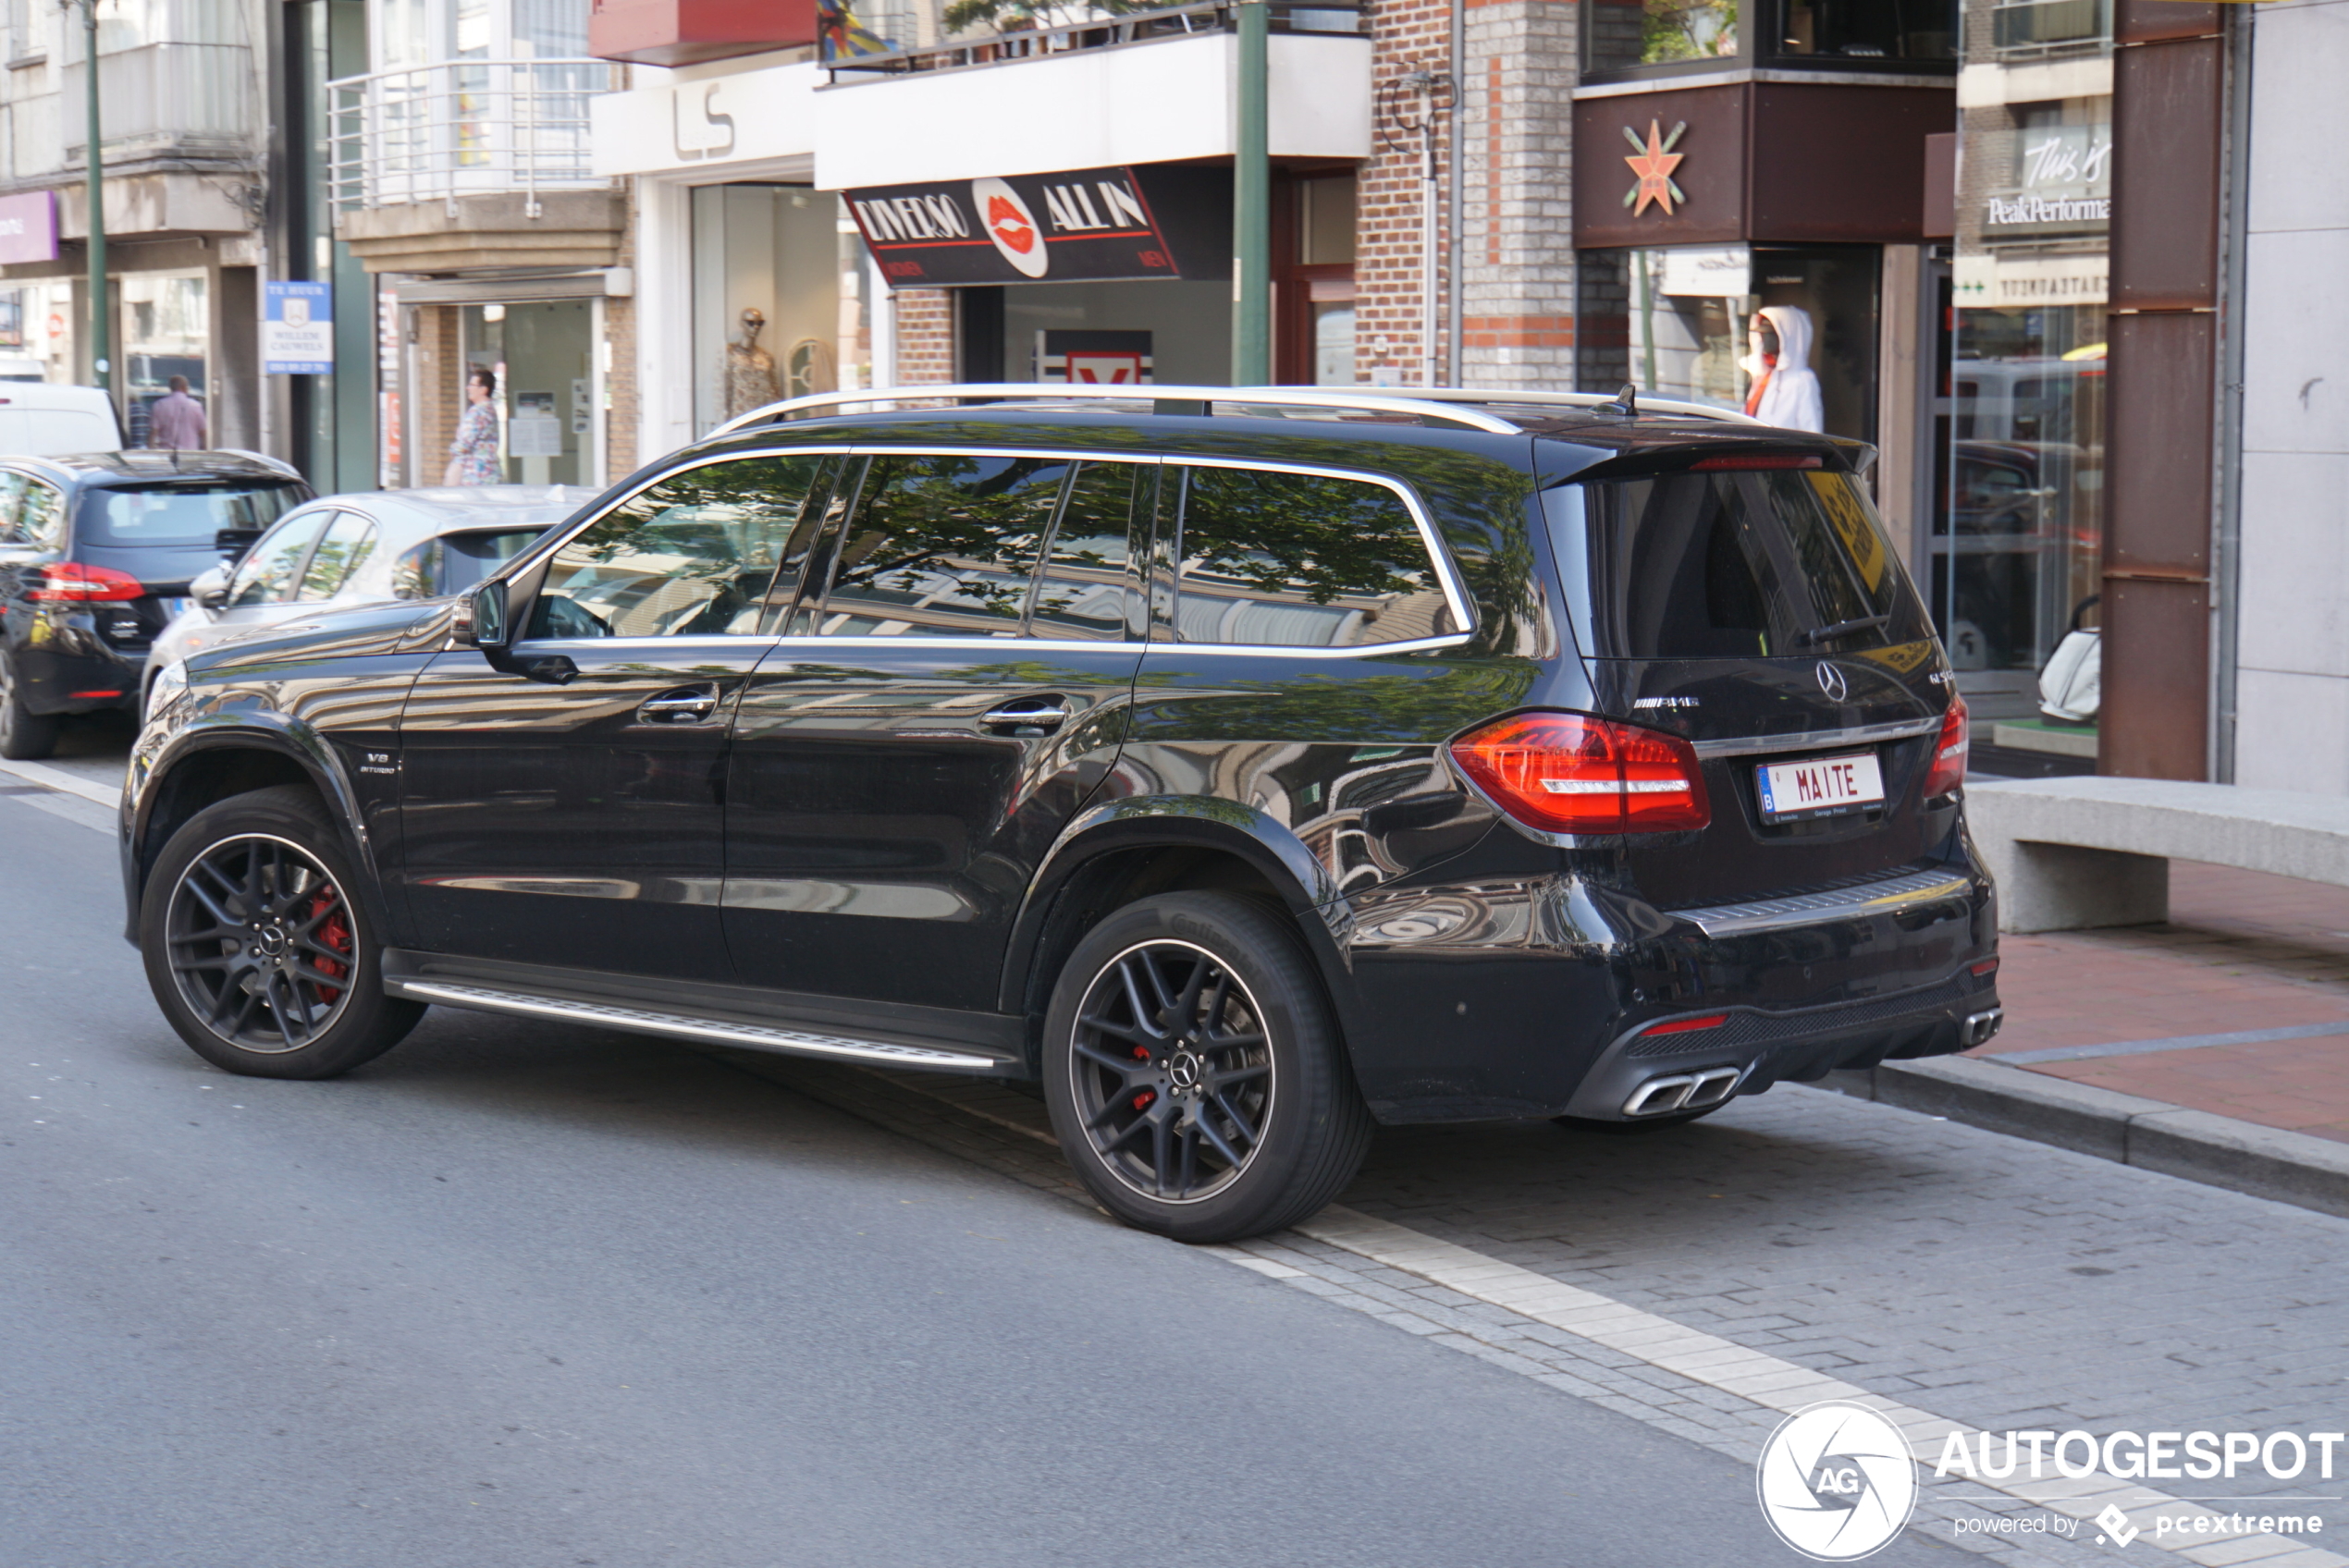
[1085, 223]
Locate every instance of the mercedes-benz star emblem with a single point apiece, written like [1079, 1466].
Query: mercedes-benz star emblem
[1831, 682]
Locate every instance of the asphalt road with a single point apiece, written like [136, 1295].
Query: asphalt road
[521, 1294]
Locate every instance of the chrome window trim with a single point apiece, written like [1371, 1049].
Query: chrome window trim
[1455, 590]
[1816, 740]
[1293, 651]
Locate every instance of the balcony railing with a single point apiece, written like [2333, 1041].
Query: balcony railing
[466, 128]
[1341, 17]
[2044, 27]
[182, 98]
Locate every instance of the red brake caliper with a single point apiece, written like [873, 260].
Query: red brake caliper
[1142, 1100]
[334, 933]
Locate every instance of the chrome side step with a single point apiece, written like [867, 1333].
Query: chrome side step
[677, 1026]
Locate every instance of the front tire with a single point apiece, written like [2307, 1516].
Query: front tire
[1195, 1076]
[25, 736]
[255, 948]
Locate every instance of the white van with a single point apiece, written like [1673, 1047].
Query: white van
[39, 421]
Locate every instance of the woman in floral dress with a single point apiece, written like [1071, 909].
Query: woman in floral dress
[472, 457]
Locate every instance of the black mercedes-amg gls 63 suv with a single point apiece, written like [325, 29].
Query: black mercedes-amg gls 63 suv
[1251, 768]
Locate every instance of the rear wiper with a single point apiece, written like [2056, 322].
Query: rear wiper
[1841, 629]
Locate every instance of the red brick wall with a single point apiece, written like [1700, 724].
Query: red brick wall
[1406, 36]
[925, 336]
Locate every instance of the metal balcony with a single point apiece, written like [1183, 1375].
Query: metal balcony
[466, 128]
[2030, 28]
[1338, 16]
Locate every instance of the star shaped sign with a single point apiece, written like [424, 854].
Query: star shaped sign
[1655, 165]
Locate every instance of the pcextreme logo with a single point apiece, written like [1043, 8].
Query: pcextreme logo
[1835, 1481]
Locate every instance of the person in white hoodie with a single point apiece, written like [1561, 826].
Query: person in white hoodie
[1786, 389]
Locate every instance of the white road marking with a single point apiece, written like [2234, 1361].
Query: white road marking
[59, 779]
[1782, 1385]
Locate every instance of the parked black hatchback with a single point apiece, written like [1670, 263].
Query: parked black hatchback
[1251, 768]
[96, 554]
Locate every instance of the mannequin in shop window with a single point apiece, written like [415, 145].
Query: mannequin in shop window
[1786, 389]
[750, 370]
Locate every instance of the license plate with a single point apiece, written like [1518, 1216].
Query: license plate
[1819, 787]
[172, 609]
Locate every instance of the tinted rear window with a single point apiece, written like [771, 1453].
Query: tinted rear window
[455, 563]
[1733, 564]
[134, 515]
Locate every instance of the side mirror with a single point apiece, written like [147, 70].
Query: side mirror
[211, 587]
[491, 632]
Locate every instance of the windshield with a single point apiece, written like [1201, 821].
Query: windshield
[1772, 563]
[179, 512]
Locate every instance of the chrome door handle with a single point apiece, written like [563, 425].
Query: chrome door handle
[1042, 715]
[687, 704]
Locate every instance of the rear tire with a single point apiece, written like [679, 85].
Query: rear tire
[1195, 1078]
[25, 736]
[255, 948]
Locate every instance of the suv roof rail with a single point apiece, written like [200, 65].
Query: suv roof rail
[1193, 400]
[1583, 400]
[1423, 403]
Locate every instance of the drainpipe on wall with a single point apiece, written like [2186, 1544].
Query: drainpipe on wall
[2227, 508]
[1453, 242]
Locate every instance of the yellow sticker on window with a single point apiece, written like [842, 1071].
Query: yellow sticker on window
[1849, 515]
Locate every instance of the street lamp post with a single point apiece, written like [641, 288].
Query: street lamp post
[100, 318]
[1251, 205]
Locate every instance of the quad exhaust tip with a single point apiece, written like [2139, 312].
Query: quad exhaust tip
[1981, 1026]
[1682, 1091]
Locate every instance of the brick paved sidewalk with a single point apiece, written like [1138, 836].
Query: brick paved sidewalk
[2244, 952]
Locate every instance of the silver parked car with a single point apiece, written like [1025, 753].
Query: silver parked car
[359, 548]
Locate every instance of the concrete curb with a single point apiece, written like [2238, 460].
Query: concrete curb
[2217, 1151]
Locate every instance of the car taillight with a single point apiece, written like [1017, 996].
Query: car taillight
[1571, 774]
[83, 583]
[1948, 773]
[1733, 462]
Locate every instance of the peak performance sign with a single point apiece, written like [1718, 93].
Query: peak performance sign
[1084, 225]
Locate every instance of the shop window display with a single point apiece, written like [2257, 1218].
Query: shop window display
[166, 332]
[2018, 523]
[778, 304]
[1636, 35]
[1726, 325]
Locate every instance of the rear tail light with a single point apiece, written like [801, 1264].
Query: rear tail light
[66, 581]
[1948, 773]
[1750, 461]
[1687, 1025]
[1567, 773]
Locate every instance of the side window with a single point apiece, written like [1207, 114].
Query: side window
[941, 545]
[1301, 560]
[43, 518]
[696, 555]
[1081, 591]
[348, 542]
[266, 574]
[11, 509]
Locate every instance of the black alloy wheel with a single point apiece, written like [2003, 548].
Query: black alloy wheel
[256, 949]
[25, 736]
[1194, 1075]
[1173, 1075]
